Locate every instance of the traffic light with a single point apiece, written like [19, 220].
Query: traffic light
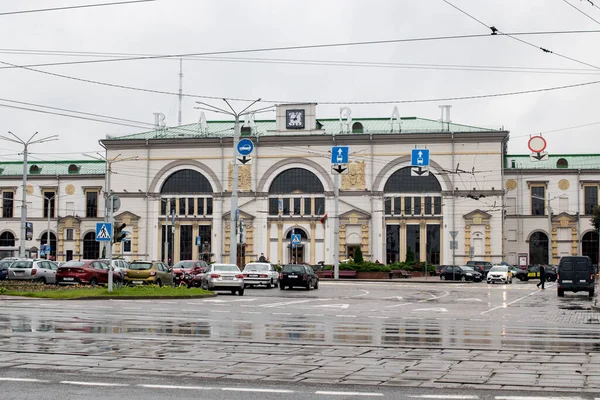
[119, 234]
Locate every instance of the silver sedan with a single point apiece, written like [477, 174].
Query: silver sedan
[223, 277]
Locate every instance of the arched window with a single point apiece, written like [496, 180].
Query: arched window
[402, 181]
[589, 246]
[296, 180]
[562, 163]
[538, 248]
[7, 239]
[186, 181]
[52, 243]
[357, 127]
[73, 169]
[91, 248]
[297, 231]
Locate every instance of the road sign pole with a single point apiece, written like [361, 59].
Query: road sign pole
[336, 228]
[234, 195]
[110, 219]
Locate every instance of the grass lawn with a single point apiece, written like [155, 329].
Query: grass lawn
[124, 292]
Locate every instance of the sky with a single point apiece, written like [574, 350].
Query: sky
[386, 74]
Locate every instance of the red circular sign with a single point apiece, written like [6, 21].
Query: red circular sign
[536, 144]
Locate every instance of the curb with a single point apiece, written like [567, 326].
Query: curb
[410, 280]
[198, 296]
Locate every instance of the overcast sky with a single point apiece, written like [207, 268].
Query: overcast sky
[196, 26]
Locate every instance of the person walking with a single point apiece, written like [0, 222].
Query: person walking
[262, 258]
[542, 277]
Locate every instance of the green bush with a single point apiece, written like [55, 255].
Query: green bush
[358, 256]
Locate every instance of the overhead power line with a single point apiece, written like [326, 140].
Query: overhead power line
[582, 12]
[74, 7]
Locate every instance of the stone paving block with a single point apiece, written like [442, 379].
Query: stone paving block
[282, 378]
[373, 374]
[360, 382]
[561, 381]
[244, 377]
[421, 375]
[320, 380]
[439, 385]
[486, 386]
[463, 378]
[513, 379]
[207, 375]
[403, 382]
[532, 358]
[99, 370]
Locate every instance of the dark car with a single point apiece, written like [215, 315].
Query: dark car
[575, 274]
[4, 264]
[550, 271]
[298, 275]
[85, 272]
[482, 267]
[460, 273]
[518, 273]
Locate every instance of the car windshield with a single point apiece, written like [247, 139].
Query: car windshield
[499, 269]
[140, 266]
[73, 264]
[185, 264]
[5, 264]
[468, 269]
[22, 264]
[294, 268]
[256, 267]
[226, 268]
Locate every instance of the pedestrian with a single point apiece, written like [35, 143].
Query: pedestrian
[262, 258]
[542, 277]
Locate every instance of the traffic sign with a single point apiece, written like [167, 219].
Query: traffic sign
[115, 201]
[103, 231]
[536, 144]
[339, 155]
[245, 147]
[340, 169]
[296, 239]
[419, 171]
[243, 160]
[541, 156]
[420, 157]
[453, 234]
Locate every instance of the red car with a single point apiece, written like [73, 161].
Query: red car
[84, 272]
[192, 267]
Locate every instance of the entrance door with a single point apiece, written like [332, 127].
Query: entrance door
[241, 256]
[296, 255]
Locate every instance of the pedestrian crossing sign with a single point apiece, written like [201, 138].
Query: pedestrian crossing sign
[103, 231]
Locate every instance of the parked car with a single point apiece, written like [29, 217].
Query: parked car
[550, 271]
[192, 267]
[518, 273]
[4, 264]
[223, 277]
[260, 273]
[118, 264]
[575, 274]
[34, 270]
[298, 275]
[480, 266]
[148, 273]
[85, 272]
[500, 274]
[460, 273]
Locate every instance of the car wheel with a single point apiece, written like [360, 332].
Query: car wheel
[281, 287]
[560, 292]
[241, 292]
[463, 279]
[307, 285]
[317, 284]
[159, 283]
[489, 283]
[591, 293]
[94, 282]
[442, 277]
[233, 291]
[270, 284]
[41, 280]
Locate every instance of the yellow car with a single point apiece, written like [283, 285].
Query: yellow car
[148, 273]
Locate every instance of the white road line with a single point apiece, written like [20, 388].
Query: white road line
[366, 292]
[313, 315]
[444, 396]
[283, 303]
[508, 304]
[350, 394]
[346, 316]
[435, 297]
[536, 398]
[257, 390]
[220, 311]
[396, 305]
[93, 383]
[23, 380]
[377, 316]
[281, 313]
[176, 387]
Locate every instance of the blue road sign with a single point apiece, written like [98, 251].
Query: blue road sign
[198, 240]
[420, 157]
[296, 239]
[339, 155]
[103, 231]
[245, 147]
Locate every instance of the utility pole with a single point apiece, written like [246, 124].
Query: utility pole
[233, 240]
[23, 238]
[48, 231]
[336, 227]
[166, 246]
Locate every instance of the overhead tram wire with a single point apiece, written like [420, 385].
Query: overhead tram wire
[497, 32]
[582, 12]
[75, 7]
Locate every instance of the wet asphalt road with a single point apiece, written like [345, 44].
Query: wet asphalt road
[408, 334]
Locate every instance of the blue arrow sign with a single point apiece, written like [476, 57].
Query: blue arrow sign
[103, 231]
[296, 239]
[420, 157]
[245, 147]
[339, 155]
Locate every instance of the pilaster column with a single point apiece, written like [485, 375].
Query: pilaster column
[177, 242]
[402, 241]
[423, 241]
[574, 241]
[313, 243]
[488, 243]
[280, 241]
[195, 249]
[467, 241]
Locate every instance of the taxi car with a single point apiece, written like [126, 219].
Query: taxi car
[500, 274]
[260, 273]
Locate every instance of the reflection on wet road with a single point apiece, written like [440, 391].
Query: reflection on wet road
[416, 315]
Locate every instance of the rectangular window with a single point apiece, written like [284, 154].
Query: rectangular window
[591, 199]
[397, 206]
[163, 206]
[388, 206]
[297, 205]
[307, 206]
[182, 207]
[209, 206]
[286, 206]
[437, 205]
[413, 242]
[427, 205]
[70, 208]
[7, 204]
[511, 206]
[201, 206]
[127, 246]
[69, 233]
[417, 201]
[320, 205]
[538, 195]
[273, 206]
[91, 204]
[185, 242]
[191, 206]
[407, 205]
[49, 204]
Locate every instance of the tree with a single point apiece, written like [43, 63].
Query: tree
[358, 257]
[596, 218]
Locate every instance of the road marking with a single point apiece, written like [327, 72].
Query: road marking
[349, 393]
[376, 316]
[23, 380]
[334, 305]
[366, 292]
[396, 305]
[472, 299]
[444, 396]
[394, 297]
[511, 303]
[281, 313]
[435, 297]
[283, 303]
[536, 398]
[93, 383]
[439, 309]
[346, 316]
[176, 387]
[313, 315]
[257, 390]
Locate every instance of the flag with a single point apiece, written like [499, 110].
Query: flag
[324, 219]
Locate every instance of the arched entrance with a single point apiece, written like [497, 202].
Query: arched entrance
[409, 198]
[538, 248]
[296, 252]
[589, 246]
[91, 248]
[186, 196]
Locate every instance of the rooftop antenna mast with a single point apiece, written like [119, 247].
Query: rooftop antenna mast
[180, 89]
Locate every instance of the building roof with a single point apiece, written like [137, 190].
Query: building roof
[568, 161]
[330, 126]
[53, 168]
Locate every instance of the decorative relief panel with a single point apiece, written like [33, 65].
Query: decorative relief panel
[244, 177]
[355, 178]
[511, 184]
[563, 184]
